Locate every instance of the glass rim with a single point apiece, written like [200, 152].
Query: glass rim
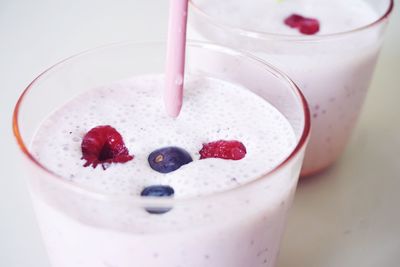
[287, 37]
[80, 189]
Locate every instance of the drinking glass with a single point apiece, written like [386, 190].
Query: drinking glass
[332, 70]
[239, 227]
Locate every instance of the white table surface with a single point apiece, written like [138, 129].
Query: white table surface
[347, 216]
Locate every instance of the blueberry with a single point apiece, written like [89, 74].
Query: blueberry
[168, 159]
[157, 191]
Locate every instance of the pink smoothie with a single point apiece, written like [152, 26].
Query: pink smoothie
[236, 230]
[333, 71]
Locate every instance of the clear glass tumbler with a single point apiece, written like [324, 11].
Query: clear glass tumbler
[240, 227]
[332, 70]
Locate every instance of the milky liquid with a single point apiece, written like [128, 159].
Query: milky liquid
[267, 15]
[244, 231]
[333, 73]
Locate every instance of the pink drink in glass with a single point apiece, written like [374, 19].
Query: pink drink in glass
[333, 67]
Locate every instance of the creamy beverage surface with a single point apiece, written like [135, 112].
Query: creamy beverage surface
[267, 15]
[213, 110]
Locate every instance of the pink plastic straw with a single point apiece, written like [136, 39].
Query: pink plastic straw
[173, 92]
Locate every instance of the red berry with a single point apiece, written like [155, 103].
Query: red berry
[305, 25]
[104, 145]
[309, 26]
[222, 149]
[294, 20]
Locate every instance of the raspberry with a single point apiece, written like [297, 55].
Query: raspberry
[223, 149]
[309, 26]
[293, 21]
[305, 25]
[104, 145]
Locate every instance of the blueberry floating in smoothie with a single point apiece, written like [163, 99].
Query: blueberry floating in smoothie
[168, 159]
[223, 149]
[104, 145]
[305, 25]
[158, 191]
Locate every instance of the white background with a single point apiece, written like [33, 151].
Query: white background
[348, 216]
